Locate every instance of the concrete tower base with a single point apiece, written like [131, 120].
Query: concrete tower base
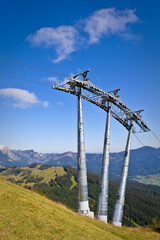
[102, 218]
[89, 214]
[117, 224]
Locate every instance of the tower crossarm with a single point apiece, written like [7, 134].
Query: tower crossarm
[124, 122]
[99, 97]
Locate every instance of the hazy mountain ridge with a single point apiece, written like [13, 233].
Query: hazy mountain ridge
[11, 157]
[143, 161]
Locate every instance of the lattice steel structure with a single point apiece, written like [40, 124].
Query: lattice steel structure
[111, 103]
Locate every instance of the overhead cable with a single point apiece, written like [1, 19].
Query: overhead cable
[38, 68]
[139, 140]
[155, 136]
[146, 149]
[24, 79]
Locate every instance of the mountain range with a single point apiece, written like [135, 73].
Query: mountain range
[143, 161]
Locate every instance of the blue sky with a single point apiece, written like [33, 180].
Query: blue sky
[118, 40]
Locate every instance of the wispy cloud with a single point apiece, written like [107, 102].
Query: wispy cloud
[56, 81]
[45, 104]
[108, 21]
[65, 40]
[60, 103]
[53, 79]
[21, 98]
[62, 39]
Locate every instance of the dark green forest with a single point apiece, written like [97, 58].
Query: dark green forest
[141, 206]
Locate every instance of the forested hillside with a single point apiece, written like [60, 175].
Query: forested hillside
[60, 184]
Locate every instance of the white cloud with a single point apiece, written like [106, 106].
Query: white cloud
[53, 79]
[45, 104]
[57, 82]
[20, 98]
[62, 39]
[66, 39]
[60, 103]
[108, 21]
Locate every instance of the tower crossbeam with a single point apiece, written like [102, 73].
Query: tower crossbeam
[99, 97]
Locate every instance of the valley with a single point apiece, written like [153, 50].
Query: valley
[149, 179]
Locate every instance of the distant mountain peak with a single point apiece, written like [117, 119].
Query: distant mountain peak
[2, 147]
[68, 154]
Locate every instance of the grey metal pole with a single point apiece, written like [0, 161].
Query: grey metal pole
[83, 205]
[104, 182]
[118, 210]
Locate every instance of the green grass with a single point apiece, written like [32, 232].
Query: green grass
[47, 174]
[153, 179]
[74, 183]
[27, 215]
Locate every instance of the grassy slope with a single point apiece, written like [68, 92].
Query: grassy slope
[153, 179]
[47, 174]
[27, 215]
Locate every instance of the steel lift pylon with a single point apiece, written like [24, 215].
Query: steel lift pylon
[83, 205]
[84, 89]
[119, 206]
[104, 182]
